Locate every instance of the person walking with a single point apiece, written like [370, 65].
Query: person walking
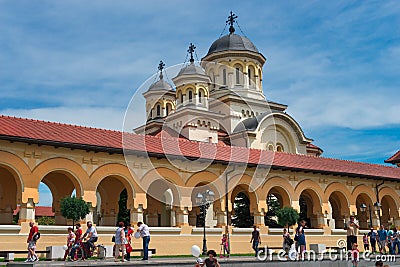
[255, 239]
[225, 245]
[355, 255]
[365, 242]
[383, 237]
[287, 241]
[77, 243]
[352, 232]
[145, 234]
[372, 239]
[119, 242]
[390, 239]
[32, 238]
[128, 243]
[301, 238]
[70, 242]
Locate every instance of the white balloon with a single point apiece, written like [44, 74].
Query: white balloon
[195, 251]
[137, 235]
[65, 247]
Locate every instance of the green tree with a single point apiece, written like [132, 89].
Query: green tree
[74, 208]
[287, 216]
[123, 212]
[242, 217]
[270, 215]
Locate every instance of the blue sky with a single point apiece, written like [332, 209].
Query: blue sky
[335, 63]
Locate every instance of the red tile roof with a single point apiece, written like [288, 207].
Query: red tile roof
[65, 135]
[394, 159]
[40, 211]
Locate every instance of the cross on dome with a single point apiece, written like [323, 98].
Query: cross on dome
[231, 19]
[161, 66]
[191, 51]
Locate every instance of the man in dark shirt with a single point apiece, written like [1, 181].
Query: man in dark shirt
[372, 238]
[255, 239]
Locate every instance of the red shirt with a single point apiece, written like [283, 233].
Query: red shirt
[78, 234]
[34, 229]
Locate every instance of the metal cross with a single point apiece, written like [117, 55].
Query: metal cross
[161, 66]
[231, 19]
[191, 51]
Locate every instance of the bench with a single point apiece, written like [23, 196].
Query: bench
[9, 254]
[153, 250]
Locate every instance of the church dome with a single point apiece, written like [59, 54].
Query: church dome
[160, 85]
[192, 69]
[233, 42]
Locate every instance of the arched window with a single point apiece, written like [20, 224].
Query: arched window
[190, 96]
[237, 76]
[168, 109]
[179, 97]
[200, 95]
[279, 148]
[252, 80]
[270, 147]
[249, 75]
[243, 113]
[224, 77]
[213, 80]
[151, 113]
[158, 110]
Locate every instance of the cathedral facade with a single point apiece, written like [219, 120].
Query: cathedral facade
[210, 129]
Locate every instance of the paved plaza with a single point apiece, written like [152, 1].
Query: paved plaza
[182, 262]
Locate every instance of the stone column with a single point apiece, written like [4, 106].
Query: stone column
[246, 81]
[6, 215]
[27, 211]
[182, 217]
[259, 219]
[221, 218]
[192, 218]
[321, 220]
[137, 215]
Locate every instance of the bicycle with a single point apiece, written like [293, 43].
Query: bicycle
[82, 251]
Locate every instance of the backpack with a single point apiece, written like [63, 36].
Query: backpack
[36, 236]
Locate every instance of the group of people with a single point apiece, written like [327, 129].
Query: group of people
[388, 240]
[123, 240]
[76, 240]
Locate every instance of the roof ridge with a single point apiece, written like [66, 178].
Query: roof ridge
[342, 160]
[60, 123]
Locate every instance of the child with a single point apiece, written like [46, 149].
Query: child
[224, 244]
[70, 241]
[355, 255]
[366, 243]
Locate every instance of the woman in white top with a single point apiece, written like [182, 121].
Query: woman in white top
[119, 242]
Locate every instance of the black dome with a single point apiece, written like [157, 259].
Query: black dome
[232, 42]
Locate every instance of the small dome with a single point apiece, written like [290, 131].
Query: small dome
[192, 69]
[232, 42]
[160, 85]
